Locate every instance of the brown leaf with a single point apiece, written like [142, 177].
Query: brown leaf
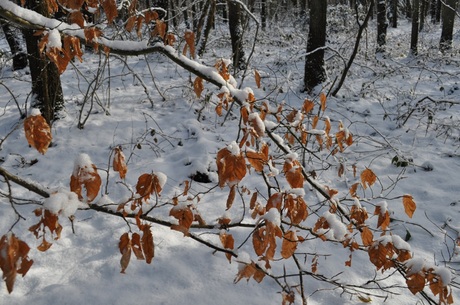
[258, 159]
[253, 201]
[13, 259]
[38, 132]
[367, 236]
[228, 242]
[409, 205]
[231, 196]
[185, 217]
[323, 98]
[293, 173]
[257, 78]
[119, 163]
[296, 209]
[415, 283]
[125, 250]
[85, 174]
[136, 246]
[147, 243]
[110, 9]
[248, 271]
[231, 168]
[190, 43]
[353, 189]
[368, 178]
[77, 18]
[198, 86]
[148, 184]
[289, 244]
[308, 106]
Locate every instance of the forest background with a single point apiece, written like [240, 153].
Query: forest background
[229, 152]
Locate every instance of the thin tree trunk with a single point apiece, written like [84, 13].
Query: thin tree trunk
[448, 17]
[394, 13]
[46, 81]
[208, 25]
[236, 34]
[19, 57]
[415, 27]
[315, 73]
[382, 25]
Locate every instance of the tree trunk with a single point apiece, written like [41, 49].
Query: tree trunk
[408, 9]
[46, 81]
[315, 73]
[382, 25]
[423, 7]
[263, 13]
[415, 27]
[448, 16]
[208, 25]
[19, 57]
[394, 13]
[236, 34]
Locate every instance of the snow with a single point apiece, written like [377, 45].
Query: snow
[273, 216]
[35, 112]
[169, 138]
[54, 40]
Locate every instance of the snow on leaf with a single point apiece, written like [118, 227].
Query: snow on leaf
[38, 132]
[409, 205]
[119, 163]
[85, 174]
[368, 178]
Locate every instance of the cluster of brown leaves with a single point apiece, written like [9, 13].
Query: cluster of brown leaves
[248, 271]
[38, 132]
[258, 159]
[143, 247]
[416, 282]
[384, 255]
[13, 259]
[49, 222]
[264, 240]
[148, 184]
[88, 177]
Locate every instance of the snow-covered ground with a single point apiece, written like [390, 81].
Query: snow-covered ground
[411, 142]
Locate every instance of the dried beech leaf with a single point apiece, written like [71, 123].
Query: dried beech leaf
[308, 106]
[289, 244]
[368, 178]
[77, 18]
[249, 271]
[409, 205]
[119, 163]
[190, 43]
[136, 246]
[415, 283]
[367, 236]
[85, 174]
[198, 86]
[185, 217]
[38, 132]
[125, 249]
[231, 166]
[231, 196]
[13, 259]
[110, 9]
[228, 242]
[323, 98]
[147, 244]
[257, 78]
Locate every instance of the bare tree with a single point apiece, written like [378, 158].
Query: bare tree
[415, 27]
[235, 22]
[382, 25]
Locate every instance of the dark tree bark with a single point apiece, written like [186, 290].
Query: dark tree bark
[208, 23]
[448, 16]
[415, 27]
[382, 25]
[423, 11]
[46, 81]
[263, 13]
[394, 13]
[315, 73]
[408, 9]
[235, 18]
[19, 57]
